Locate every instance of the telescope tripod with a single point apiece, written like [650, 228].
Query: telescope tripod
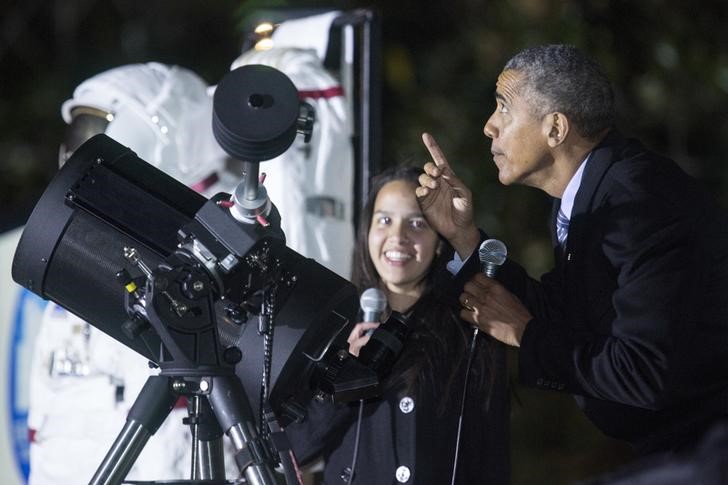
[217, 403]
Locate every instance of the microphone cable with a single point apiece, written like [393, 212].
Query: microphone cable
[357, 435]
[462, 405]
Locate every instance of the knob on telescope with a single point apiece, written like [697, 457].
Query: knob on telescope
[257, 113]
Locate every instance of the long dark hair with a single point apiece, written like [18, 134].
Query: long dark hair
[438, 344]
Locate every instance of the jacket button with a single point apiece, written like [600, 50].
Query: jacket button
[402, 474]
[345, 474]
[406, 405]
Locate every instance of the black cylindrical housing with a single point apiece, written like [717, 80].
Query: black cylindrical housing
[106, 199]
[385, 344]
[103, 199]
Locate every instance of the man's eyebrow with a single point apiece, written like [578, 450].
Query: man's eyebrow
[499, 97]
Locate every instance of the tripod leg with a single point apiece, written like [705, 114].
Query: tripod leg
[207, 452]
[149, 411]
[232, 409]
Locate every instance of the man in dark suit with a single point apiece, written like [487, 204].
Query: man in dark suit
[633, 320]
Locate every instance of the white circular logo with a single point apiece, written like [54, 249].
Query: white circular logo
[406, 405]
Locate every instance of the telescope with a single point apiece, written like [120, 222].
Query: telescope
[207, 290]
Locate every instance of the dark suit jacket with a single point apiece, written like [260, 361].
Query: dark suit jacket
[634, 318]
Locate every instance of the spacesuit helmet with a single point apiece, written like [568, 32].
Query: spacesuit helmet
[163, 113]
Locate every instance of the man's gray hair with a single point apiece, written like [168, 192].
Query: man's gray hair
[562, 78]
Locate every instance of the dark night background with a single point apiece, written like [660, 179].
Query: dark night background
[668, 60]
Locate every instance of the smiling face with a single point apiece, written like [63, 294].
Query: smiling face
[520, 139]
[401, 244]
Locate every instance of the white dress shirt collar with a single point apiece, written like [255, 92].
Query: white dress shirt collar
[567, 200]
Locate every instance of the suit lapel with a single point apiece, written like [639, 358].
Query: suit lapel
[602, 157]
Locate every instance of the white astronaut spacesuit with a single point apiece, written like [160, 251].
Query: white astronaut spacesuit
[311, 184]
[164, 114]
[83, 382]
[82, 385]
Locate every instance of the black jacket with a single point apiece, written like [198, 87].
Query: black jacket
[633, 320]
[404, 439]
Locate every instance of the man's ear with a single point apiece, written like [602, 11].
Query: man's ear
[557, 127]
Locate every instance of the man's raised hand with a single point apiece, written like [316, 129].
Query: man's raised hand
[446, 201]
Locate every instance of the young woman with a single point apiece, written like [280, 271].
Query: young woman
[410, 434]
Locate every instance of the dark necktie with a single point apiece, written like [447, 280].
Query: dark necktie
[562, 228]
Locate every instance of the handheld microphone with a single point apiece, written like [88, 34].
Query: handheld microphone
[373, 302]
[492, 254]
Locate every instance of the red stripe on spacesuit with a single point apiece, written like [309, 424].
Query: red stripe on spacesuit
[31, 435]
[331, 92]
[205, 183]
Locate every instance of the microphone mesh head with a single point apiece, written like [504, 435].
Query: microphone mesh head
[492, 252]
[373, 300]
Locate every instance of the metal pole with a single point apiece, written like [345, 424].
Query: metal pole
[232, 409]
[151, 408]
